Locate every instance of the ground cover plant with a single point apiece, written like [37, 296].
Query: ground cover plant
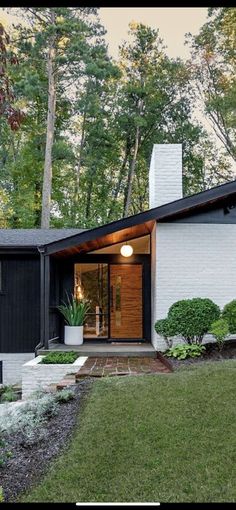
[59, 357]
[167, 438]
[183, 351]
[23, 460]
[8, 394]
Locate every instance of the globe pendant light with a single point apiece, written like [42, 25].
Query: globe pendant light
[126, 250]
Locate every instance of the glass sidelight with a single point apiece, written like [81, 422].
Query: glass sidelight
[91, 282]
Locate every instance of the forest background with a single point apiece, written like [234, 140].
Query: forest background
[77, 125]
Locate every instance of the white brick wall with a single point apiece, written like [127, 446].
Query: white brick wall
[165, 175]
[12, 365]
[36, 376]
[192, 260]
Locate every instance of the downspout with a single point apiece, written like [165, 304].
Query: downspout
[41, 251]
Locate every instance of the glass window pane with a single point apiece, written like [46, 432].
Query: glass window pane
[91, 282]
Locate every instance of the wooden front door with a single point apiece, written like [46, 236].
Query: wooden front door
[126, 301]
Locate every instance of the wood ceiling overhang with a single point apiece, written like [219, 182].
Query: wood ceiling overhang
[141, 223]
[106, 240]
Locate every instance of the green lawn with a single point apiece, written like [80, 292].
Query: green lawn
[167, 437]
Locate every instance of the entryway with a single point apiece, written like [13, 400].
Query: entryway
[116, 295]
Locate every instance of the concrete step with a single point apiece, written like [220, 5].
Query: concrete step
[105, 349]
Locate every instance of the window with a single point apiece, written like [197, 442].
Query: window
[91, 282]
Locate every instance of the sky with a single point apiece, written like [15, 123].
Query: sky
[173, 24]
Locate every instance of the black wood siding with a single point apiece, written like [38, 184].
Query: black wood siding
[20, 303]
[55, 318]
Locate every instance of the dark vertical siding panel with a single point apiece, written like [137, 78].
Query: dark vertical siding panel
[20, 304]
[54, 318]
[66, 286]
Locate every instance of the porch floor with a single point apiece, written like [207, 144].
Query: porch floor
[104, 349]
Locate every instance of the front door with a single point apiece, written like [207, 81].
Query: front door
[126, 301]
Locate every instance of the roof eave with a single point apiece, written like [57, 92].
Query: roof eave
[167, 211]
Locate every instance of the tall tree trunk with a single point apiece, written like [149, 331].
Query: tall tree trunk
[131, 174]
[119, 182]
[78, 170]
[47, 175]
[89, 192]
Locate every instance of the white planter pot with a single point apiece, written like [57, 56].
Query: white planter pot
[73, 335]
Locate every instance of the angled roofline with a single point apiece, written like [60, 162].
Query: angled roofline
[167, 211]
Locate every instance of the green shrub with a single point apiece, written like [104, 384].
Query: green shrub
[164, 327]
[4, 453]
[29, 420]
[183, 351]
[229, 314]
[192, 318]
[8, 394]
[220, 329]
[1, 495]
[60, 357]
[64, 395]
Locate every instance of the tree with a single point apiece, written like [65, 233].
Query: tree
[213, 67]
[7, 59]
[96, 120]
[65, 39]
[153, 104]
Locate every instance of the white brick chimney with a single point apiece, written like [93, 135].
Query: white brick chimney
[165, 174]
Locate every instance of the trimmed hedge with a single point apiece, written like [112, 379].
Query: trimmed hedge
[192, 318]
[165, 328]
[229, 314]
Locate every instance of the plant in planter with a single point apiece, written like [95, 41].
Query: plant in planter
[74, 312]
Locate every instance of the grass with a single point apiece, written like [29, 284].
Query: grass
[168, 438]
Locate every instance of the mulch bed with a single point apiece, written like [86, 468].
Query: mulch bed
[28, 464]
[212, 353]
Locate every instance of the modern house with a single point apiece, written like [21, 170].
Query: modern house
[181, 248]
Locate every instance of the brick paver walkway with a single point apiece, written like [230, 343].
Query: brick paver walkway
[100, 367]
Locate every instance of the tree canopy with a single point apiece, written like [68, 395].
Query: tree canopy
[80, 152]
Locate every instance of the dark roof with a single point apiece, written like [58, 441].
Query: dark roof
[34, 237]
[167, 212]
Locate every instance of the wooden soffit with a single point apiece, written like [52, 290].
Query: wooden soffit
[107, 240]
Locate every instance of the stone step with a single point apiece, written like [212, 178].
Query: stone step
[69, 380]
[105, 350]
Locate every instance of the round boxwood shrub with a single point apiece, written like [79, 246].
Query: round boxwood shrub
[192, 318]
[165, 328]
[229, 314]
